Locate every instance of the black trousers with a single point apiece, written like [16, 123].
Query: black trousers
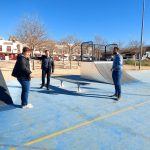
[46, 73]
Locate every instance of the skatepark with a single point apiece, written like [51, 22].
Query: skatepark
[75, 75]
[101, 72]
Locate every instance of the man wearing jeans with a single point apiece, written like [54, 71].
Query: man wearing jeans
[22, 72]
[117, 72]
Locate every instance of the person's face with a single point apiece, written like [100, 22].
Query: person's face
[27, 54]
[114, 51]
[47, 53]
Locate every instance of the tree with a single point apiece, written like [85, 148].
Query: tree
[47, 45]
[100, 40]
[12, 38]
[134, 46]
[119, 43]
[99, 47]
[70, 42]
[31, 32]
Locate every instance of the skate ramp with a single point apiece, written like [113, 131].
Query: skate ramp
[5, 97]
[101, 71]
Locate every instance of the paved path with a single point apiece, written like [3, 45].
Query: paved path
[65, 120]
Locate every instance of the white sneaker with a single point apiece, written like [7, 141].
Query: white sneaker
[119, 98]
[28, 106]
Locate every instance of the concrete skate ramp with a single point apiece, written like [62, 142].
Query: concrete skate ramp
[5, 97]
[101, 71]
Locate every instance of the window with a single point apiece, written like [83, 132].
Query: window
[0, 47]
[8, 48]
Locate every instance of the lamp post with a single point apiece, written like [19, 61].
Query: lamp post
[142, 30]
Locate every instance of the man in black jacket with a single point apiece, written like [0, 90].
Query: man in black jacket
[47, 67]
[22, 72]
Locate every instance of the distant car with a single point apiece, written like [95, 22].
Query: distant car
[86, 58]
[56, 58]
[78, 58]
[146, 55]
[109, 58]
[65, 58]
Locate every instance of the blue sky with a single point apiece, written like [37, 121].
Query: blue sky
[113, 20]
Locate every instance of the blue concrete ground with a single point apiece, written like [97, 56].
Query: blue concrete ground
[90, 120]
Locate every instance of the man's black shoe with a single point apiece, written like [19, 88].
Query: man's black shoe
[113, 95]
[47, 87]
[41, 86]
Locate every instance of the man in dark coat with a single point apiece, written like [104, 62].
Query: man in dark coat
[22, 72]
[47, 66]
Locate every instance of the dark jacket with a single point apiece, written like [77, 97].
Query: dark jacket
[22, 68]
[47, 63]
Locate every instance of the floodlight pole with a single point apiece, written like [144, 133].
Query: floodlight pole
[109, 45]
[142, 29]
[89, 42]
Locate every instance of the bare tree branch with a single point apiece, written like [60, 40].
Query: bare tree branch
[31, 32]
[70, 42]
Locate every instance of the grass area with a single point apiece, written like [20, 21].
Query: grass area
[132, 62]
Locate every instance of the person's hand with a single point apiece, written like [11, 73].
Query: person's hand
[30, 76]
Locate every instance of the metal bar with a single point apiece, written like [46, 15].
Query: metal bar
[81, 52]
[78, 87]
[61, 83]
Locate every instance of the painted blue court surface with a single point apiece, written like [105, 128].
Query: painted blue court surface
[63, 119]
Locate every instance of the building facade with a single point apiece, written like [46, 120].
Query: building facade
[9, 49]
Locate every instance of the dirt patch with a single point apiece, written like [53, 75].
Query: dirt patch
[60, 69]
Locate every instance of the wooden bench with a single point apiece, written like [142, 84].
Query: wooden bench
[78, 82]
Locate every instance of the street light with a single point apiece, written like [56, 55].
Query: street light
[142, 30]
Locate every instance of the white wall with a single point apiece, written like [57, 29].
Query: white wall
[13, 46]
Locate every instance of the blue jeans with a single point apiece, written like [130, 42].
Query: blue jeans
[117, 77]
[25, 91]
